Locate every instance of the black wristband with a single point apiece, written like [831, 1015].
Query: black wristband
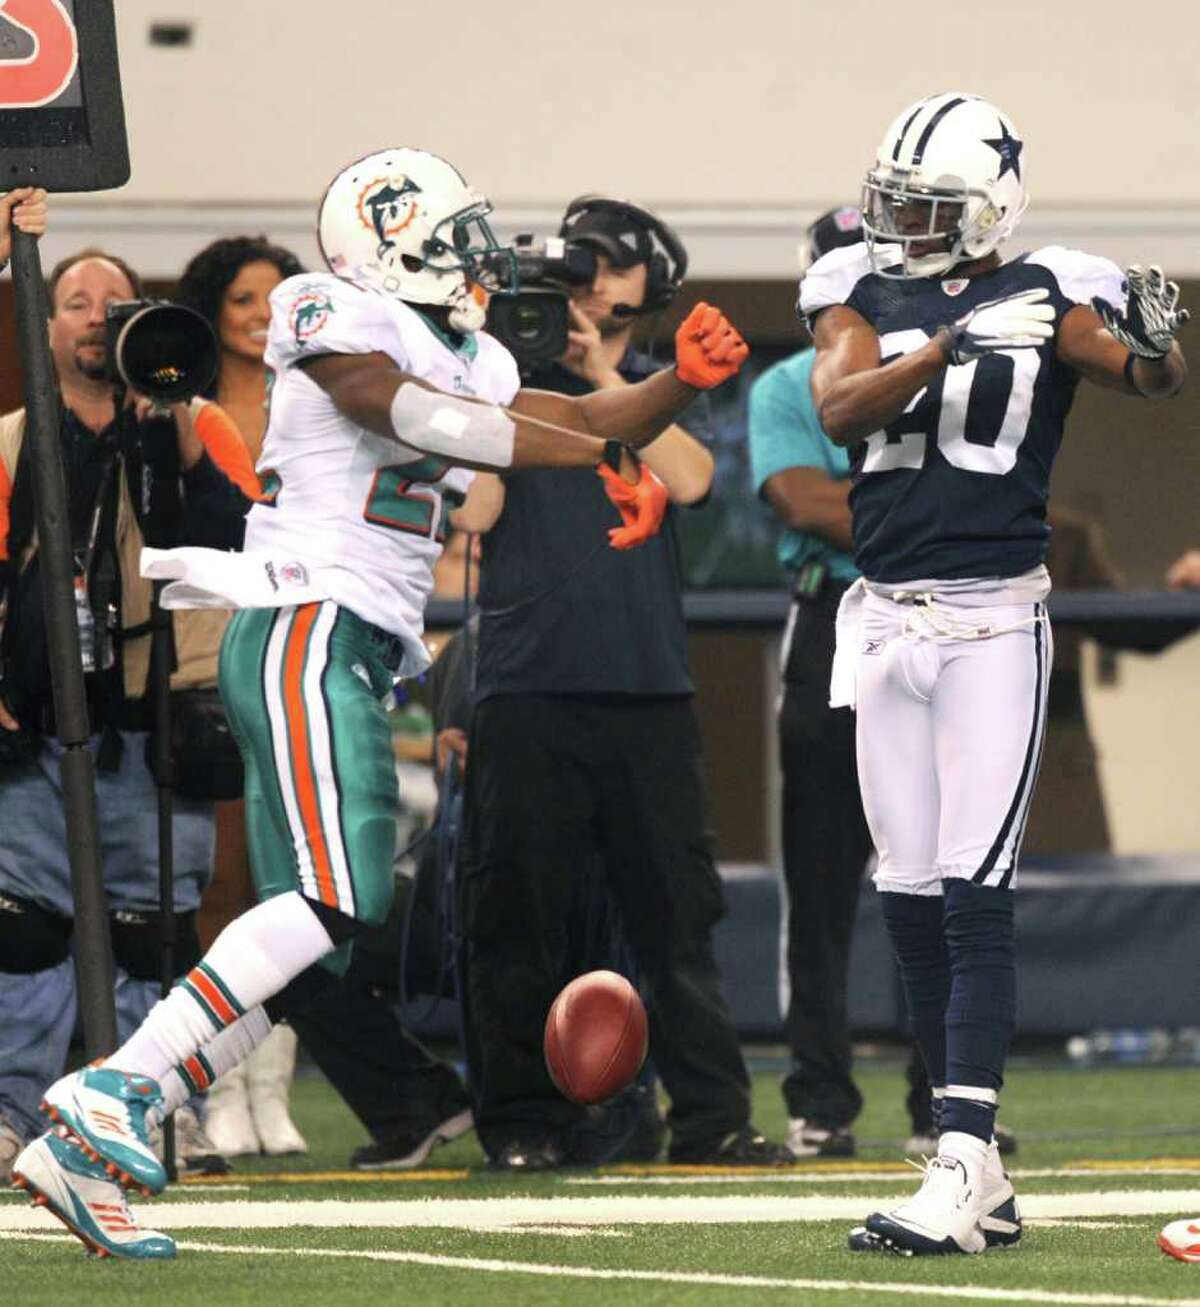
[613, 449]
[1133, 385]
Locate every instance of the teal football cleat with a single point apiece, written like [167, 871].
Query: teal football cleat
[58, 1176]
[104, 1111]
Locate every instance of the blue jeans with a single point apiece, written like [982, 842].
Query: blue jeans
[37, 1012]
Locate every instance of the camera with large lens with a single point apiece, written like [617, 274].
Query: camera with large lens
[533, 321]
[161, 350]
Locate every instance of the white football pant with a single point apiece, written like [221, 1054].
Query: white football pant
[951, 719]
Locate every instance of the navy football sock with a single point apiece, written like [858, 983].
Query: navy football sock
[981, 1013]
[915, 926]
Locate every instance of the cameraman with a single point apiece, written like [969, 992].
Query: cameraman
[133, 474]
[584, 750]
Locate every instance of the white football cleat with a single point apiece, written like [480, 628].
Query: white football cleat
[941, 1217]
[1181, 1239]
[60, 1177]
[105, 1111]
[1000, 1217]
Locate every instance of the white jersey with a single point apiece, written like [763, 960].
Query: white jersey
[352, 516]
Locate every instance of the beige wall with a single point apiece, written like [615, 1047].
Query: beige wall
[1147, 730]
[764, 102]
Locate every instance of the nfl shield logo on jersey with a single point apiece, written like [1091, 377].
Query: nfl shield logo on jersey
[956, 285]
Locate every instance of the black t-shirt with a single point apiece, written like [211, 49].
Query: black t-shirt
[562, 612]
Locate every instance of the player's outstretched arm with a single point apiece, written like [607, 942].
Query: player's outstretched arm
[1134, 351]
[373, 393]
[708, 351]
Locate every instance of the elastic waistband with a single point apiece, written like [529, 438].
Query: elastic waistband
[983, 592]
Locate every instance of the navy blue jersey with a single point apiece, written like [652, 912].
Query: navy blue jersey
[956, 486]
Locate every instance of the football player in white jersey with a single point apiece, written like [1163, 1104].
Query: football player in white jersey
[949, 374]
[385, 395]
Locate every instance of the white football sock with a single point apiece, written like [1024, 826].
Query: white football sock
[232, 1046]
[250, 961]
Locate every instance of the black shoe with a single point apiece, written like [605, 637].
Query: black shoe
[806, 1138]
[409, 1147]
[629, 1129]
[745, 1147]
[1006, 1141]
[528, 1155]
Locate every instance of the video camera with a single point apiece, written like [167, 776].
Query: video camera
[533, 321]
[158, 349]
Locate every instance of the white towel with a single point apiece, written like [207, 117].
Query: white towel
[214, 578]
[842, 678]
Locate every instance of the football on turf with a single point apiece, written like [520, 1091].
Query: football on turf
[1182, 1239]
[596, 1037]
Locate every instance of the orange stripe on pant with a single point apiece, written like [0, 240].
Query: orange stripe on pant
[302, 771]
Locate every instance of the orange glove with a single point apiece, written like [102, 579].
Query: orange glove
[642, 505]
[708, 349]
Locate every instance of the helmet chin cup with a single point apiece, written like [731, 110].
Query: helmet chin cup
[466, 314]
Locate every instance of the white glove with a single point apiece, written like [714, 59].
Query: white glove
[1152, 318]
[1021, 321]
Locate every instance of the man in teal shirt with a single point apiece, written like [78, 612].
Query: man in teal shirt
[804, 477]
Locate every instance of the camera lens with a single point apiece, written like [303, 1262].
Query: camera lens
[528, 321]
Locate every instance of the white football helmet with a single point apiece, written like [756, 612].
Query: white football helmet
[948, 185]
[405, 222]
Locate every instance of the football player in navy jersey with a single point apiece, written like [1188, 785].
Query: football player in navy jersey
[949, 373]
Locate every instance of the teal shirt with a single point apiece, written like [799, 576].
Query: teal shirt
[784, 432]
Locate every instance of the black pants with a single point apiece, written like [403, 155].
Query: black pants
[556, 785]
[825, 850]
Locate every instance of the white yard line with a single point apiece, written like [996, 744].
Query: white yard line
[832, 1176]
[500, 1214]
[490, 1265]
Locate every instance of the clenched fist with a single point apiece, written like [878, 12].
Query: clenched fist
[708, 348]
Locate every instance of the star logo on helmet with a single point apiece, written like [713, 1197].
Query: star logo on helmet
[1009, 149]
[386, 206]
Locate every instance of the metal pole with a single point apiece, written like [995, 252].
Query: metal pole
[159, 693]
[93, 945]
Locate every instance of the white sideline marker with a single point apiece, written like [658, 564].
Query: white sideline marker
[501, 1214]
[495, 1266]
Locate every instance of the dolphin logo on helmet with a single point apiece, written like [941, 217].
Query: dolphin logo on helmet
[404, 222]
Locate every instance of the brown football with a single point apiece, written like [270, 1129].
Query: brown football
[596, 1037]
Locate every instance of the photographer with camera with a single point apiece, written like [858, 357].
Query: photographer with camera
[136, 471]
[584, 749]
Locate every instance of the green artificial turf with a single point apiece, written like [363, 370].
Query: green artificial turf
[1064, 1117]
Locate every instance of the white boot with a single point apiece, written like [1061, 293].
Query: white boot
[228, 1123]
[1000, 1217]
[269, 1071]
[943, 1215]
